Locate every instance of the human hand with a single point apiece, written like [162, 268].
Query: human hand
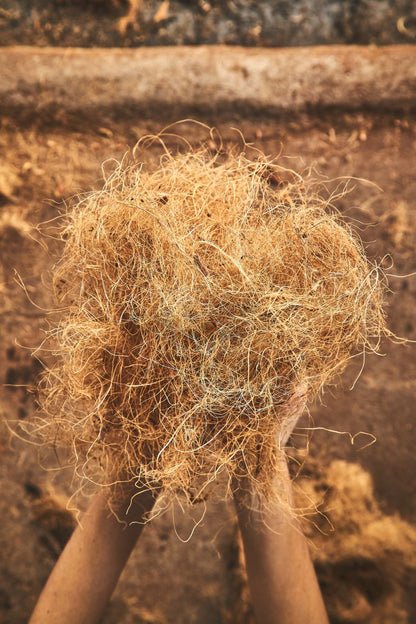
[280, 572]
[290, 412]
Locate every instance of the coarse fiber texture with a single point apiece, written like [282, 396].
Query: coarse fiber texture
[197, 296]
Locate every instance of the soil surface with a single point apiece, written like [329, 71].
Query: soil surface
[353, 458]
[362, 541]
[123, 23]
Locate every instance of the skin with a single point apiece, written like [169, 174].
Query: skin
[89, 567]
[281, 576]
[280, 572]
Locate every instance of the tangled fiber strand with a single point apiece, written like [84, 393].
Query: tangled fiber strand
[197, 297]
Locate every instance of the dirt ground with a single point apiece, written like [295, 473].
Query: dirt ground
[125, 23]
[362, 536]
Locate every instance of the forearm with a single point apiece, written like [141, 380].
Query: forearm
[280, 572]
[89, 567]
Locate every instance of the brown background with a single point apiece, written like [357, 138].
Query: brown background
[366, 562]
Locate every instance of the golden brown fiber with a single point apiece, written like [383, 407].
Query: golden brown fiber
[198, 296]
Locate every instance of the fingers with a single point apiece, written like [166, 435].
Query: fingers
[290, 412]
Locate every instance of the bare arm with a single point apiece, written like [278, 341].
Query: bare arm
[280, 572]
[88, 569]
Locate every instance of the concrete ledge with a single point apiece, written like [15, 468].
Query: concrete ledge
[211, 79]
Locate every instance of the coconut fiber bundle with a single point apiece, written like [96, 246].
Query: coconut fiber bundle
[197, 296]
